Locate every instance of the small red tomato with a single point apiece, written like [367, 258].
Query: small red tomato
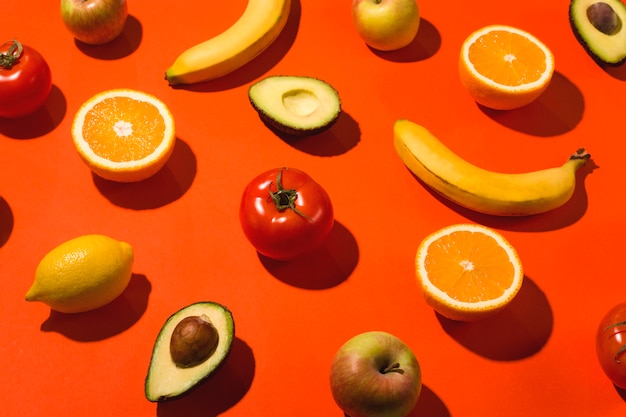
[284, 213]
[611, 345]
[25, 80]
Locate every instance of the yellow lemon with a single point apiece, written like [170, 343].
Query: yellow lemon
[82, 274]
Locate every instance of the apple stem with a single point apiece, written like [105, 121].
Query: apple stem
[394, 367]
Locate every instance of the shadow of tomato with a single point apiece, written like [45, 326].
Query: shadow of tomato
[326, 267]
[6, 221]
[106, 321]
[219, 392]
[519, 331]
[165, 187]
[39, 123]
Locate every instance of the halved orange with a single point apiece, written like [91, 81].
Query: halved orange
[124, 135]
[468, 272]
[503, 67]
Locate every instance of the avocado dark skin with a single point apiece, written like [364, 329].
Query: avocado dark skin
[599, 27]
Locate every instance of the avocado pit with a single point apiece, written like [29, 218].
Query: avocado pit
[603, 17]
[193, 340]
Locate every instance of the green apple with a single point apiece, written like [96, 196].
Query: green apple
[375, 374]
[94, 22]
[386, 25]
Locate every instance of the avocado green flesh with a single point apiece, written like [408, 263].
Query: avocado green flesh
[165, 380]
[295, 105]
[607, 48]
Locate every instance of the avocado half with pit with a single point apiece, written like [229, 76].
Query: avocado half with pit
[192, 345]
[599, 27]
[295, 105]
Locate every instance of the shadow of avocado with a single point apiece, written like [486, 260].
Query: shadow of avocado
[326, 267]
[558, 110]
[219, 392]
[124, 45]
[165, 187]
[429, 404]
[519, 331]
[106, 321]
[426, 44]
[6, 221]
[258, 66]
[39, 123]
[338, 139]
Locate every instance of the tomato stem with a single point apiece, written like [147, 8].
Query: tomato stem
[10, 57]
[285, 198]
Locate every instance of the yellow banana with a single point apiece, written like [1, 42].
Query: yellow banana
[259, 26]
[479, 189]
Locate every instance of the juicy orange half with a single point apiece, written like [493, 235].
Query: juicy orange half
[467, 271]
[124, 135]
[503, 67]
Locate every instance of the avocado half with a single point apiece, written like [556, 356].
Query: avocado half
[295, 105]
[599, 28]
[166, 380]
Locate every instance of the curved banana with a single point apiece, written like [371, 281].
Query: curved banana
[259, 26]
[479, 189]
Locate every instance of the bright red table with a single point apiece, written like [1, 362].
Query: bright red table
[535, 359]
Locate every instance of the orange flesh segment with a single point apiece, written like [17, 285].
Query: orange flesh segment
[507, 58]
[123, 129]
[469, 267]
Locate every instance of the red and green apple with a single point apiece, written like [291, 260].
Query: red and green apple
[375, 374]
[94, 22]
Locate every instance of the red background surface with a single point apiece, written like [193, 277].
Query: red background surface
[537, 358]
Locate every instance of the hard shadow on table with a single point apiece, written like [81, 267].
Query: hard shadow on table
[616, 71]
[106, 321]
[125, 44]
[344, 135]
[558, 110]
[165, 187]
[6, 221]
[517, 332]
[561, 217]
[426, 44]
[429, 405]
[326, 267]
[260, 65]
[219, 392]
[43, 121]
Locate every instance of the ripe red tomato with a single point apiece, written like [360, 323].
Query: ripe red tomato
[284, 213]
[25, 80]
[611, 344]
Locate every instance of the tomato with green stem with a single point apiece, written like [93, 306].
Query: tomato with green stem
[611, 344]
[25, 80]
[284, 213]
